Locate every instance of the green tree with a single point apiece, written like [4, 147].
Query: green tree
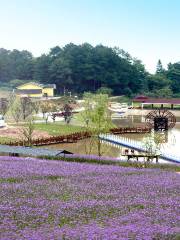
[173, 74]
[15, 109]
[165, 92]
[159, 68]
[105, 90]
[157, 82]
[5, 72]
[55, 52]
[60, 73]
[41, 69]
[82, 68]
[16, 65]
[4, 106]
[26, 107]
[97, 116]
[27, 131]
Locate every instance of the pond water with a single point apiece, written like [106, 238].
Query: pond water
[89, 146]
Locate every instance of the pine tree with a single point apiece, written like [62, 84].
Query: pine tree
[159, 67]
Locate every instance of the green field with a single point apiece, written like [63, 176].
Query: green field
[55, 129]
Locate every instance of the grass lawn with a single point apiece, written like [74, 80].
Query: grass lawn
[121, 99]
[55, 129]
[103, 160]
[42, 199]
[136, 105]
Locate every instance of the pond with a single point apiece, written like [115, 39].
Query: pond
[89, 146]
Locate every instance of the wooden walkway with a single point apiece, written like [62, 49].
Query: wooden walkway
[74, 137]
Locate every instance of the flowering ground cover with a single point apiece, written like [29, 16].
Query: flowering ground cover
[43, 199]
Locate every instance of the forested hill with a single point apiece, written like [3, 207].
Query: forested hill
[80, 68]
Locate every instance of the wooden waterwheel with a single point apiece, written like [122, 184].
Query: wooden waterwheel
[160, 120]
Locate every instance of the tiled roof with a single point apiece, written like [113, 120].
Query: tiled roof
[159, 100]
[141, 97]
[163, 100]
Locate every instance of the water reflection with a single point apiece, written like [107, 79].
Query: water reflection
[89, 147]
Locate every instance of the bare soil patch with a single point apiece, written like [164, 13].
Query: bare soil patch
[16, 132]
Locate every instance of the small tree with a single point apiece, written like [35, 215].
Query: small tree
[105, 90]
[36, 106]
[27, 132]
[26, 107]
[97, 116]
[4, 105]
[16, 111]
[153, 143]
[53, 108]
[86, 116]
[47, 107]
[159, 67]
[67, 112]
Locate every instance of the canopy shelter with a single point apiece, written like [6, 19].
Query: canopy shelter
[30, 151]
[163, 102]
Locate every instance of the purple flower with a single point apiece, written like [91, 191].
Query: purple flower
[42, 199]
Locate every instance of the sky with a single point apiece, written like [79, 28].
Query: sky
[147, 29]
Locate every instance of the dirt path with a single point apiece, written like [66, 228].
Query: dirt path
[16, 132]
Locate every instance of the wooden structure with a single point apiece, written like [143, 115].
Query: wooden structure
[162, 102]
[74, 137]
[130, 130]
[160, 120]
[70, 138]
[29, 151]
[149, 157]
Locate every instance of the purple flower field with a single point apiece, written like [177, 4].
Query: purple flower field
[46, 200]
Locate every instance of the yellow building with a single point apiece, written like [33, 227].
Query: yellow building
[33, 89]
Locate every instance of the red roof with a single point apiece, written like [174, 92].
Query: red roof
[141, 97]
[159, 100]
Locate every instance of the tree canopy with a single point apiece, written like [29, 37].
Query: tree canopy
[80, 68]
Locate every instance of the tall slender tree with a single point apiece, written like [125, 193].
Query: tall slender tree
[159, 68]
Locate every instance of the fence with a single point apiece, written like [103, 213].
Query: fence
[74, 137]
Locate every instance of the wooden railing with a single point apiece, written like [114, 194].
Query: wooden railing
[74, 137]
[130, 130]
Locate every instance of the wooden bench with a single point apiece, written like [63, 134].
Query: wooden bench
[137, 156]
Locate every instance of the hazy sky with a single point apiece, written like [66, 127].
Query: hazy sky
[147, 29]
